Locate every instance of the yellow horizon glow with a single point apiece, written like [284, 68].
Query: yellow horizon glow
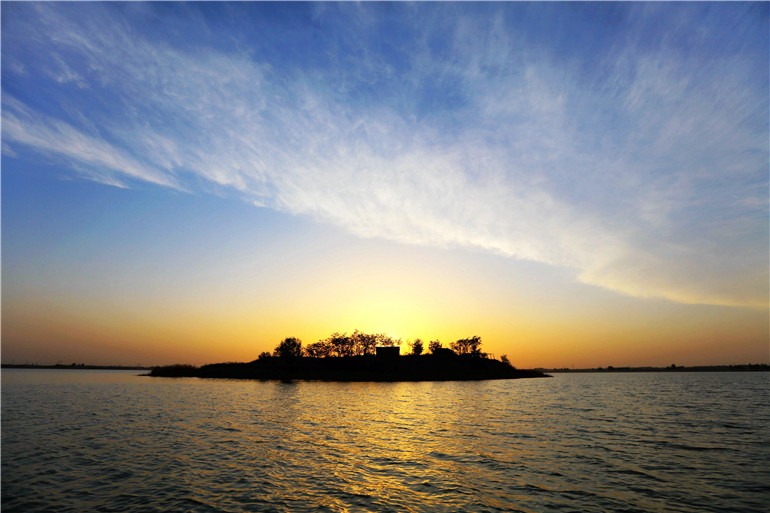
[405, 299]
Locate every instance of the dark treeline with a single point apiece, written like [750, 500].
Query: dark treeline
[342, 345]
[362, 357]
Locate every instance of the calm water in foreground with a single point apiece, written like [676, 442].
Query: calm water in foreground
[115, 441]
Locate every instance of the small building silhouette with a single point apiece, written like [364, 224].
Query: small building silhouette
[387, 352]
[444, 352]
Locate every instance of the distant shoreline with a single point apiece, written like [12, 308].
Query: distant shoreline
[73, 367]
[751, 367]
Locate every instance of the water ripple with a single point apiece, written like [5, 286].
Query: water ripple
[588, 443]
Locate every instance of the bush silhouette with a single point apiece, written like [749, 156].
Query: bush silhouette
[319, 349]
[363, 343]
[289, 348]
[341, 344]
[469, 346]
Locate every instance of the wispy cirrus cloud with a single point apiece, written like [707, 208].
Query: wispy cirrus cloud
[645, 174]
[98, 160]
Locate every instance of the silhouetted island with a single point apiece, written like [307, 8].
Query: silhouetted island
[361, 357]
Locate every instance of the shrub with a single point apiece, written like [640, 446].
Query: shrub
[288, 348]
[470, 346]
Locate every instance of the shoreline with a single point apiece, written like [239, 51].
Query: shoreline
[751, 367]
[356, 368]
[73, 367]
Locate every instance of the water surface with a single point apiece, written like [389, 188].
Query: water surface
[75, 440]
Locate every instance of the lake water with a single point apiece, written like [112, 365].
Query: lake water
[114, 441]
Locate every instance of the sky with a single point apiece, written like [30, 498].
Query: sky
[579, 184]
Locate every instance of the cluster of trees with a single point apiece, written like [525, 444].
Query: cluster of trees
[342, 344]
[360, 344]
[471, 346]
[336, 345]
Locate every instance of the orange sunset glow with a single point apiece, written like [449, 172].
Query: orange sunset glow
[248, 199]
[408, 257]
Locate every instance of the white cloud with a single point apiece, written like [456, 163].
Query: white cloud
[52, 136]
[620, 184]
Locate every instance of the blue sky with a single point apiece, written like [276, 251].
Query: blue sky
[623, 147]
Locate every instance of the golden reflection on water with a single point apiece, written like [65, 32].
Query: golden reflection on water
[588, 443]
[384, 440]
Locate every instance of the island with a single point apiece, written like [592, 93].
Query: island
[361, 357]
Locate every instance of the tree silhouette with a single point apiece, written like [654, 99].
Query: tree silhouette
[341, 344]
[289, 348]
[319, 349]
[364, 343]
[360, 343]
[470, 346]
[388, 341]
